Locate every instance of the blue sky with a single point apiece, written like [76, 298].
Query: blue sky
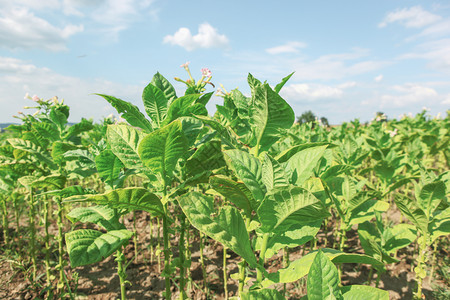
[351, 58]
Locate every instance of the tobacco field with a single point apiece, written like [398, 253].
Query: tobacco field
[173, 203]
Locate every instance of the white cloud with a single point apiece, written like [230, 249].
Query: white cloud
[446, 101]
[20, 28]
[437, 52]
[413, 17]
[408, 94]
[378, 78]
[290, 47]
[207, 37]
[18, 77]
[313, 92]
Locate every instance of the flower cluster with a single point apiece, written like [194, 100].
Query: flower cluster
[199, 86]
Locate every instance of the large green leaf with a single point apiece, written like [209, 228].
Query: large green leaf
[287, 206]
[400, 236]
[273, 174]
[207, 157]
[302, 163]
[431, 196]
[184, 106]
[264, 294]
[58, 150]
[165, 86]
[268, 115]
[440, 226]
[295, 236]
[285, 155]
[124, 141]
[100, 215]
[323, 279]
[87, 246]
[155, 103]
[235, 192]
[130, 199]
[108, 166]
[161, 149]
[225, 226]
[47, 130]
[249, 170]
[35, 150]
[228, 137]
[75, 129]
[300, 267]
[363, 292]
[130, 112]
[413, 212]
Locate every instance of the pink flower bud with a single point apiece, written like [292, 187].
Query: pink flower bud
[35, 98]
[185, 65]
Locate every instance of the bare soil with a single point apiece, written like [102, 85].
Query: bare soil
[100, 281]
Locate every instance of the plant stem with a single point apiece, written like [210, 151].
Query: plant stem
[31, 220]
[224, 267]
[262, 256]
[121, 271]
[5, 221]
[135, 238]
[60, 242]
[242, 265]
[166, 253]
[182, 256]
[47, 242]
[202, 262]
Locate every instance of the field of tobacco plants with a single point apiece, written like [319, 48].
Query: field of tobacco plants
[173, 203]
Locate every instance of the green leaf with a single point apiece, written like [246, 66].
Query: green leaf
[285, 155]
[440, 226]
[225, 134]
[323, 279]
[155, 103]
[282, 83]
[295, 236]
[225, 226]
[161, 149]
[47, 130]
[35, 150]
[58, 150]
[402, 235]
[414, 213]
[273, 174]
[184, 106]
[302, 163]
[87, 246]
[75, 129]
[269, 113]
[129, 199]
[99, 215]
[208, 157]
[165, 86]
[129, 112]
[191, 128]
[264, 294]
[124, 141]
[300, 267]
[288, 206]
[108, 166]
[431, 196]
[235, 192]
[249, 170]
[363, 292]
[59, 116]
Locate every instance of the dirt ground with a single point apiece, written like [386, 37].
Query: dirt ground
[100, 281]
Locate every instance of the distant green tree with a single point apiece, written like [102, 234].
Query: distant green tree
[324, 121]
[306, 117]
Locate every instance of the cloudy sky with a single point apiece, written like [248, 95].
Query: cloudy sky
[351, 58]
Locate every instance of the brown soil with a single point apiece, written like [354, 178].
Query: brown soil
[100, 281]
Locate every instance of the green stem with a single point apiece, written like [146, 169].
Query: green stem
[224, 267]
[60, 224]
[262, 257]
[421, 266]
[202, 262]
[135, 238]
[121, 271]
[182, 257]
[5, 221]
[166, 253]
[31, 220]
[242, 266]
[47, 242]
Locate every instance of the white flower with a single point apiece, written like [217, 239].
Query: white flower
[393, 132]
[27, 96]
